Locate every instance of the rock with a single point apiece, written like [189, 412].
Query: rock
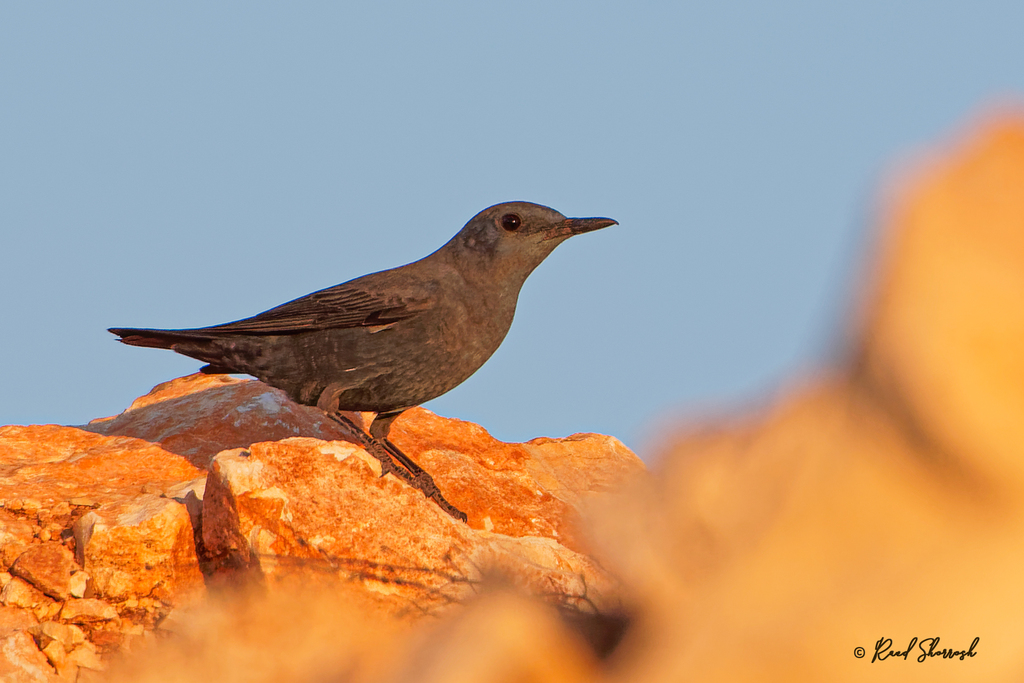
[87, 610]
[22, 662]
[20, 593]
[48, 567]
[68, 636]
[945, 328]
[78, 584]
[55, 465]
[200, 415]
[308, 508]
[189, 494]
[56, 655]
[50, 476]
[142, 546]
[15, 619]
[882, 499]
[15, 537]
[84, 656]
[526, 642]
[106, 639]
[535, 488]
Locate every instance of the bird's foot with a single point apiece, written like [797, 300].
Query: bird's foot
[395, 462]
[423, 481]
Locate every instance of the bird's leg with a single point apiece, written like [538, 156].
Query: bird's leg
[371, 446]
[392, 460]
[379, 430]
[328, 403]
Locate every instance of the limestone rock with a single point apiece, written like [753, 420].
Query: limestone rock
[54, 479]
[49, 465]
[20, 593]
[87, 610]
[15, 619]
[189, 494]
[56, 655]
[67, 636]
[16, 536]
[200, 415]
[142, 546]
[48, 567]
[304, 507]
[535, 488]
[78, 584]
[84, 656]
[22, 662]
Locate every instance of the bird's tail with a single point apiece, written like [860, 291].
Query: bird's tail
[198, 344]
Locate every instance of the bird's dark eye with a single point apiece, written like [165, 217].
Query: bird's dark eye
[511, 221]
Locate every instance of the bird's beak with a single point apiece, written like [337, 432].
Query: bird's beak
[578, 226]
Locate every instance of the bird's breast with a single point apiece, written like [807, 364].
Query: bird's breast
[468, 335]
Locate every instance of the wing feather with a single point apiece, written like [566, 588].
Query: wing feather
[352, 304]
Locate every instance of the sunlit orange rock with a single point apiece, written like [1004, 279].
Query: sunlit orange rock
[48, 567]
[22, 662]
[307, 504]
[15, 619]
[100, 523]
[56, 481]
[535, 488]
[16, 535]
[42, 466]
[304, 507]
[200, 415]
[59, 477]
[140, 547]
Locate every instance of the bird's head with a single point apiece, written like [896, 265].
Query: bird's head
[507, 241]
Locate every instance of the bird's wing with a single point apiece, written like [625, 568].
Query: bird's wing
[353, 304]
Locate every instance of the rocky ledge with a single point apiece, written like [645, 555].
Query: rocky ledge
[110, 530]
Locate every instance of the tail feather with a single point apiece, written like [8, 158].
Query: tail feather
[137, 338]
[159, 339]
[193, 343]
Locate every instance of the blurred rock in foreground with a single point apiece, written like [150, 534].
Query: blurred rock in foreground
[883, 500]
[113, 532]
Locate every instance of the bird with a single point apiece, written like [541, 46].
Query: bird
[391, 340]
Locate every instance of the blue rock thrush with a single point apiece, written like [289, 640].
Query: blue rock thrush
[388, 341]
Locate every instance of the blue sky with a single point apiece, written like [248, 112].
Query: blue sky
[189, 164]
